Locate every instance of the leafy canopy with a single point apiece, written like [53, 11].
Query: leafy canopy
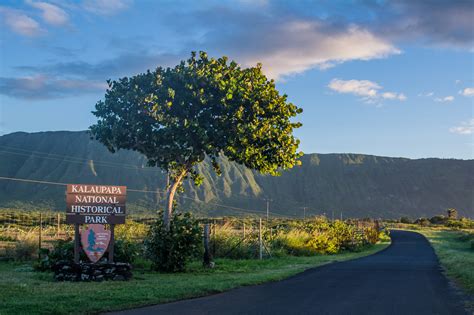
[201, 107]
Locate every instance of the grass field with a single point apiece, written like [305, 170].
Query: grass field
[455, 254]
[27, 292]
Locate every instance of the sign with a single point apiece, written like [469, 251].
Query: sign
[95, 240]
[95, 204]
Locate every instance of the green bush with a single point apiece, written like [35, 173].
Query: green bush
[293, 242]
[23, 251]
[124, 251]
[170, 250]
[405, 220]
[228, 245]
[25, 248]
[371, 234]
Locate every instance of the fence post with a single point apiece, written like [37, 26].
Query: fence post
[244, 230]
[207, 261]
[214, 230]
[59, 225]
[260, 244]
[39, 238]
[111, 243]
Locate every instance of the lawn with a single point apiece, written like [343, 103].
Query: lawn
[453, 249]
[24, 291]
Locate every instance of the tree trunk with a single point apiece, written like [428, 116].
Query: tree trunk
[167, 214]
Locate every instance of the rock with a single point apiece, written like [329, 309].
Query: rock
[69, 271]
[119, 278]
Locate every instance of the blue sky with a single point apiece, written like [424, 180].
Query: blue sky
[386, 78]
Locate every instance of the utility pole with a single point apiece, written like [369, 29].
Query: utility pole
[260, 241]
[268, 207]
[304, 212]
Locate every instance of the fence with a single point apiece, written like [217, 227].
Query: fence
[229, 237]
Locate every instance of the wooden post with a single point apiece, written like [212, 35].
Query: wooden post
[59, 225]
[77, 243]
[214, 230]
[112, 243]
[39, 236]
[207, 259]
[244, 230]
[260, 244]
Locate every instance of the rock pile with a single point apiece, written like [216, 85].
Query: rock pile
[70, 271]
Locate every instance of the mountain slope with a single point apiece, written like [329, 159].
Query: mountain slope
[354, 184]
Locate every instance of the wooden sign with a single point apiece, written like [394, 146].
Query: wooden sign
[95, 240]
[95, 204]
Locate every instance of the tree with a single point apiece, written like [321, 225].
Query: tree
[452, 214]
[201, 107]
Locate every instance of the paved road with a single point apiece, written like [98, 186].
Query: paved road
[403, 279]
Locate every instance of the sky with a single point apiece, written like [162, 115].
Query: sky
[389, 78]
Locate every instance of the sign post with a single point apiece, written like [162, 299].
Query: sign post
[95, 205]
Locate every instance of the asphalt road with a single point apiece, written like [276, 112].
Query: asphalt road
[402, 279]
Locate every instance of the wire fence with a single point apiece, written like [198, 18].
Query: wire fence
[230, 237]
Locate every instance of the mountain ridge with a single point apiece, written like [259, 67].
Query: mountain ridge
[354, 184]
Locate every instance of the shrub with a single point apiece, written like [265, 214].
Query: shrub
[25, 248]
[131, 232]
[438, 219]
[423, 221]
[294, 242]
[170, 250]
[323, 243]
[371, 234]
[124, 251]
[228, 244]
[405, 220]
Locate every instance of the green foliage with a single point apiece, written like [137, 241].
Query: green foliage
[322, 237]
[294, 242]
[423, 221]
[62, 250]
[405, 220]
[452, 213]
[463, 223]
[124, 251]
[438, 219]
[201, 107]
[25, 247]
[228, 244]
[170, 250]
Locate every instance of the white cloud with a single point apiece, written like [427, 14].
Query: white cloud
[426, 94]
[20, 23]
[445, 99]
[394, 96]
[466, 128]
[367, 89]
[106, 7]
[51, 14]
[297, 46]
[358, 87]
[467, 91]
